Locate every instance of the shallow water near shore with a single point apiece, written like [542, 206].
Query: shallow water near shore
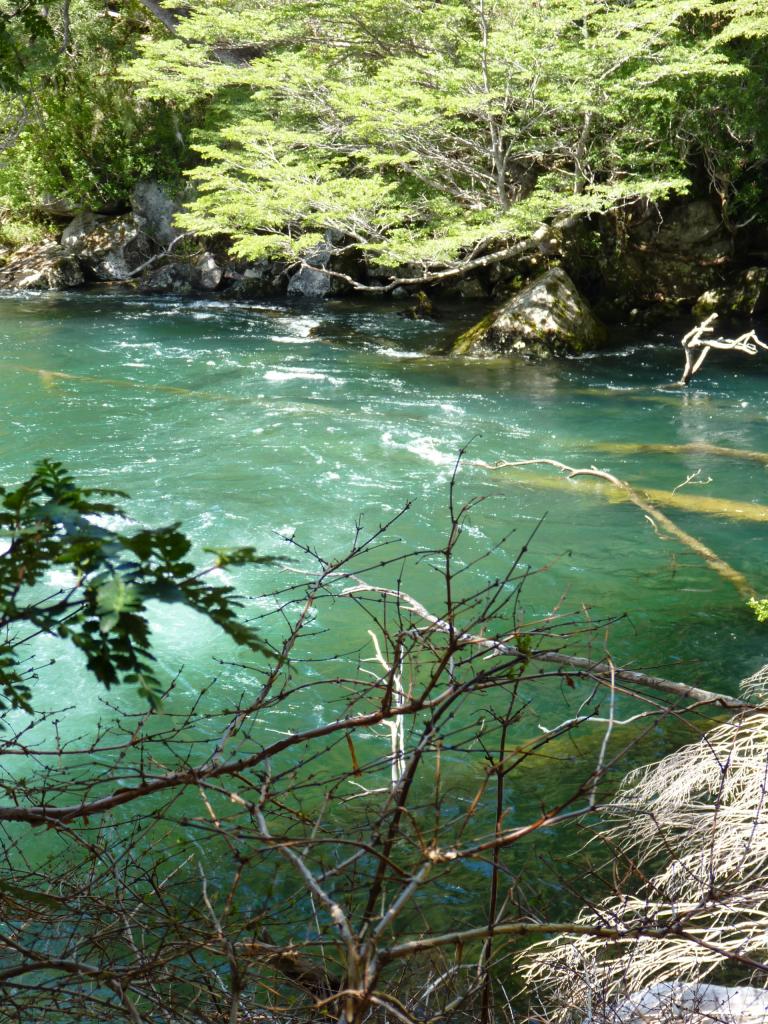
[251, 424]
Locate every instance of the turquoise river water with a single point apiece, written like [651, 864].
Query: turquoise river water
[251, 424]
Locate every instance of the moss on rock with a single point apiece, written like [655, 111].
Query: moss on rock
[548, 317]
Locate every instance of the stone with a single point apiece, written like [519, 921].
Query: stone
[207, 273]
[668, 259]
[74, 234]
[108, 248]
[746, 296]
[154, 210]
[694, 1003]
[46, 267]
[471, 288]
[256, 280]
[308, 283]
[685, 227]
[171, 278]
[468, 288]
[547, 317]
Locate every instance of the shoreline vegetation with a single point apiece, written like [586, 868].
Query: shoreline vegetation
[191, 150]
[559, 166]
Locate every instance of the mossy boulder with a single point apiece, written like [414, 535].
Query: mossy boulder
[548, 317]
[747, 296]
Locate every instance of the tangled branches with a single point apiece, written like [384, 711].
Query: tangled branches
[234, 859]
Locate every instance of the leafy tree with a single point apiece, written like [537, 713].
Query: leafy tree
[50, 522]
[426, 132]
[70, 132]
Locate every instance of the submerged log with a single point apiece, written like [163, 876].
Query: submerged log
[725, 508]
[641, 499]
[692, 448]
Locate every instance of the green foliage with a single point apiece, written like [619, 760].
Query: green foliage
[15, 231]
[50, 522]
[760, 607]
[70, 132]
[421, 131]
[23, 21]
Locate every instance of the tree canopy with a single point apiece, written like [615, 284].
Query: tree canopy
[421, 131]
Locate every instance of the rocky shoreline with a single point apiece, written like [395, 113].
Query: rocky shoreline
[660, 262]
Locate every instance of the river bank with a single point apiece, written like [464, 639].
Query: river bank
[644, 266]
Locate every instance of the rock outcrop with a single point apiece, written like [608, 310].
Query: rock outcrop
[108, 249]
[547, 317]
[746, 296]
[44, 267]
[206, 273]
[154, 209]
[662, 260]
[644, 263]
[174, 278]
[257, 280]
[309, 283]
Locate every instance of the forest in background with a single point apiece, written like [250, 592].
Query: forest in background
[418, 132]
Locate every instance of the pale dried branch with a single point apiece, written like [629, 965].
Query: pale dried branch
[698, 337]
[636, 496]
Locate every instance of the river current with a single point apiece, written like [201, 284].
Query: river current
[250, 424]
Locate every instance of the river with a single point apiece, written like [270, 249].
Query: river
[254, 424]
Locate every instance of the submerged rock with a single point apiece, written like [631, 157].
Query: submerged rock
[547, 317]
[49, 266]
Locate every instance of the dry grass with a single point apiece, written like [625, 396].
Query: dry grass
[692, 836]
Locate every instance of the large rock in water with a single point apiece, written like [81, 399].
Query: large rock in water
[41, 267]
[547, 317]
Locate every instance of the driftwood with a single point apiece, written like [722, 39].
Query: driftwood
[748, 343]
[692, 448]
[700, 504]
[733, 576]
[601, 670]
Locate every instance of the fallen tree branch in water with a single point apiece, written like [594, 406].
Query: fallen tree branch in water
[692, 448]
[601, 669]
[721, 567]
[747, 343]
